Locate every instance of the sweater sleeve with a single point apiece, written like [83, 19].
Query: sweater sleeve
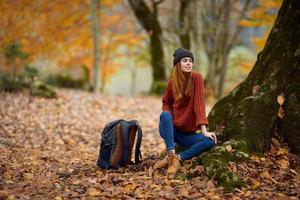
[199, 105]
[167, 100]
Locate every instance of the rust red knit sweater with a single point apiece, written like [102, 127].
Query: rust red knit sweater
[189, 112]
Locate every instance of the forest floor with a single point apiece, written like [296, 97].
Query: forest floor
[49, 148]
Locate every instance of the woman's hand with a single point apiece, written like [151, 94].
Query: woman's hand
[210, 135]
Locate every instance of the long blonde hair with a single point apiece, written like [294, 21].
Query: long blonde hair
[182, 82]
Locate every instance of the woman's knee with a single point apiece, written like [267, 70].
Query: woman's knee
[210, 142]
[165, 116]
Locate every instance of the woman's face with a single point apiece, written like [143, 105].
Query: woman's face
[186, 64]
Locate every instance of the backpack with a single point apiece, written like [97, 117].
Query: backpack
[117, 143]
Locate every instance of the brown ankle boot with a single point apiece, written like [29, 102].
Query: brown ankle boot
[174, 163]
[161, 163]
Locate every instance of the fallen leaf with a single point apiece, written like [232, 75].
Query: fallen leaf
[93, 192]
[129, 187]
[228, 148]
[255, 158]
[210, 185]
[198, 169]
[11, 197]
[275, 142]
[247, 194]
[282, 151]
[76, 182]
[4, 193]
[28, 176]
[284, 164]
[150, 171]
[255, 184]
[280, 112]
[195, 195]
[266, 174]
[184, 192]
[281, 99]
[255, 89]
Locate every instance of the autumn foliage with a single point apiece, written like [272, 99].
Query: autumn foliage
[61, 31]
[263, 15]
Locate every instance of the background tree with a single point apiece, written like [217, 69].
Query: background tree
[68, 23]
[95, 15]
[13, 53]
[252, 110]
[220, 20]
[149, 21]
[184, 24]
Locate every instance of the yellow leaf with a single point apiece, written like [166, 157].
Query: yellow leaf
[129, 187]
[247, 194]
[255, 185]
[255, 158]
[284, 163]
[58, 198]
[275, 142]
[228, 148]
[282, 151]
[281, 99]
[76, 182]
[266, 175]
[280, 112]
[28, 176]
[11, 197]
[93, 192]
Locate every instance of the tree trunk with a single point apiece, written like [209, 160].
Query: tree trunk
[95, 29]
[157, 57]
[14, 74]
[184, 27]
[149, 21]
[224, 51]
[249, 112]
[196, 33]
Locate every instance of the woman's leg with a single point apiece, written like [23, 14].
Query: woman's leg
[166, 130]
[194, 142]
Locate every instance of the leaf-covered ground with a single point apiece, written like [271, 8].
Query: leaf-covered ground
[49, 147]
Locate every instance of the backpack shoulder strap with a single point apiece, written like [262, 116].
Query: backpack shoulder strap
[138, 154]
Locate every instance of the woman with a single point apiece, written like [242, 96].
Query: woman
[183, 114]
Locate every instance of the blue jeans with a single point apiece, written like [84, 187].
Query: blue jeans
[194, 143]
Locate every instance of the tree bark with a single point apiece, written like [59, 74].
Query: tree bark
[95, 29]
[184, 26]
[149, 21]
[224, 44]
[249, 112]
[196, 33]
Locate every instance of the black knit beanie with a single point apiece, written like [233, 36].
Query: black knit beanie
[181, 53]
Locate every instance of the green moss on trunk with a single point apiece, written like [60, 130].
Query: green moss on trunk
[215, 163]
